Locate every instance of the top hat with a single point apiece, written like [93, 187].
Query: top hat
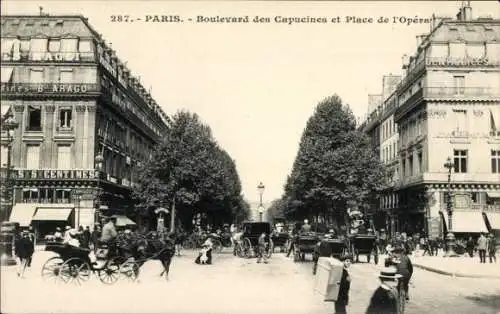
[389, 273]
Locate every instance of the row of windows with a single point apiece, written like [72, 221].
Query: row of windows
[390, 152]
[47, 195]
[408, 165]
[41, 45]
[64, 119]
[388, 128]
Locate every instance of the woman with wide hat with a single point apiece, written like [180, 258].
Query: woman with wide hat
[385, 298]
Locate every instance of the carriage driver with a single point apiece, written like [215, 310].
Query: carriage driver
[109, 234]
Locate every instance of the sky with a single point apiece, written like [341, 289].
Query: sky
[257, 84]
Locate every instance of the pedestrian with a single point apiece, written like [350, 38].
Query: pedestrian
[482, 245]
[86, 237]
[261, 248]
[470, 247]
[385, 298]
[492, 248]
[31, 235]
[96, 235]
[24, 252]
[344, 286]
[424, 242]
[404, 268]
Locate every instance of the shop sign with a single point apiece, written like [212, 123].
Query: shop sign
[460, 62]
[47, 88]
[43, 56]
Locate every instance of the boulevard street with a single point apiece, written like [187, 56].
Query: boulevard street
[235, 285]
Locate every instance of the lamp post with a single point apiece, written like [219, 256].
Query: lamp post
[261, 189]
[261, 211]
[99, 159]
[9, 125]
[7, 238]
[450, 238]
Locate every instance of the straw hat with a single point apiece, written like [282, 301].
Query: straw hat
[389, 273]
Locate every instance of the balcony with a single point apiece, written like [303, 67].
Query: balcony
[49, 89]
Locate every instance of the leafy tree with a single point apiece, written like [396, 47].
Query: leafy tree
[335, 167]
[190, 169]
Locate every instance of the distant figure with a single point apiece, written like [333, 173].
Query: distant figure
[66, 234]
[24, 250]
[58, 237]
[470, 247]
[261, 248]
[404, 268]
[492, 248]
[482, 245]
[73, 238]
[306, 227]
[385, 299]
[205, 255]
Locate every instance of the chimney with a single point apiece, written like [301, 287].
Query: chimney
[467, 12]
[389, 85]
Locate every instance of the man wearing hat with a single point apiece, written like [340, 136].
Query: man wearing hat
[492, 248]
[344, 286]
[109, 234]
[385, 298]
[404, 268]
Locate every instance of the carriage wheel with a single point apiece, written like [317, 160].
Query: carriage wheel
[270, 249]
[247, 248]
[51, 269]
[75, 270]
[129, 271]
[111, 272]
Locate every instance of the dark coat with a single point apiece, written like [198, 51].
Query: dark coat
[344, 287]
[383, 302]
[405, 267]
[24, 247]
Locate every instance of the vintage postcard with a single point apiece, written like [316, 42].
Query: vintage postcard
[250, 157]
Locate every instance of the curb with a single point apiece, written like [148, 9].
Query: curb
[457, 274]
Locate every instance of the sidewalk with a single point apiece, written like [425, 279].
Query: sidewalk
[458, 266]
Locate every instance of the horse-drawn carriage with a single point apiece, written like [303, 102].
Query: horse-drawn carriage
[74, 264]
[363, 244]
[280, 239]
[250, 239]
[304, 243]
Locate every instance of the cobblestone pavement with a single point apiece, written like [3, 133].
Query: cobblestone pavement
[234, 285]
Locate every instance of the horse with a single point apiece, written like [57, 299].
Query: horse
[150, 247]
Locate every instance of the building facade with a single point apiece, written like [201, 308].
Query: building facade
[84, 121]
[448, 106]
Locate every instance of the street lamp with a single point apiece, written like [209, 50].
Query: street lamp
[261, 211]
[99, 159]
[7, 239]
[450, 238]
[9, 125]
[261, 189]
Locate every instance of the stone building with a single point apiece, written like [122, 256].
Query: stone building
[448, 105]
[85, 122]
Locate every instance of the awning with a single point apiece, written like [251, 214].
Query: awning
[23, 213]
[5, 109]
[494, 220]
[52, 214]
[495, 194]
[466, 222]
[123, 221]
[6, 74]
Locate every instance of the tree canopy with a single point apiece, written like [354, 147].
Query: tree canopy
[335, 167]
[191, 169]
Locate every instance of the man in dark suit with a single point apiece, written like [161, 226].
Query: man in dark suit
[344, 286]
[385, 298]
[404, 267]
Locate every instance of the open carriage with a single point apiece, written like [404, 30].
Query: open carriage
[305, 243]
[250, 239]
[363, 244]
[73, 265]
